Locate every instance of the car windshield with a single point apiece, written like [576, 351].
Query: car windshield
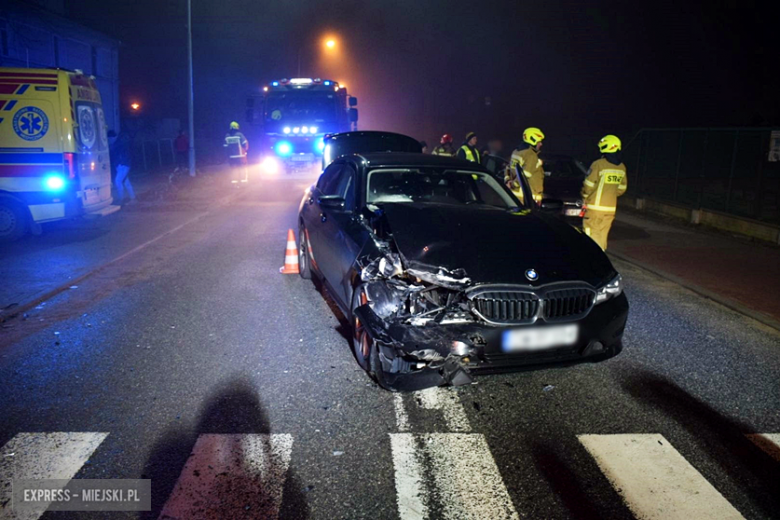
[438, 186]
[313, 107]
[559, 167]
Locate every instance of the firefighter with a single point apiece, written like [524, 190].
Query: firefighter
[468, 151]
[606, 181]
[237, 147]
[530, 164]
[445, 146]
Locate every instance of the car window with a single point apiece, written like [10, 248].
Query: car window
[346, 187]
[436, 185]
[329, 179]
[562, 168]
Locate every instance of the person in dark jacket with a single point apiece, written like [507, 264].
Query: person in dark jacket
[121, 160]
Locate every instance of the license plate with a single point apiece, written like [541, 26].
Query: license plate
[306, 157]
[91, 196]
[574, 212]
[538, 338]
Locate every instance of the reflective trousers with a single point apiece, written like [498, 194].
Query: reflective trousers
[596, 225]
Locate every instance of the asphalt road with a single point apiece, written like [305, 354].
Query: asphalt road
[195, 364]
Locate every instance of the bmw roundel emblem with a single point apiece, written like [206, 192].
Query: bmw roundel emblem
[531, 274]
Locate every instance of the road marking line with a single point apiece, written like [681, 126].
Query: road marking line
[408, 477]
[232, 476]
[400, 413]
[53, 455]
[463, 480]
[448, 402]
[655, 481]
[769, 442]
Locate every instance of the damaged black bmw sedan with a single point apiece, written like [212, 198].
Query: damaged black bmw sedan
[445, 274]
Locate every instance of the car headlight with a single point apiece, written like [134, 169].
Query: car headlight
[612, 289]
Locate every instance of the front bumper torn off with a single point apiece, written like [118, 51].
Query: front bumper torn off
[412, 358]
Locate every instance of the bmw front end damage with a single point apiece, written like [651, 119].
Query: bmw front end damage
[431, 326]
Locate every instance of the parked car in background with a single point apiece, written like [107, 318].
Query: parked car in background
[563, 178]
[347, 143]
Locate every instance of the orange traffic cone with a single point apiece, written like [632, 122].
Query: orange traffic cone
[290, 256]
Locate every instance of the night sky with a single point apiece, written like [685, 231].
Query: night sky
[576, 69]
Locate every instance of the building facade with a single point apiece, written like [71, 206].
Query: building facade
[38, 36]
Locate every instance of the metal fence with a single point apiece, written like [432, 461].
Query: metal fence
[733, 170]
[152, 155]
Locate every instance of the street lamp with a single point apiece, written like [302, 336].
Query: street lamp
[135, 106]
[330, 44]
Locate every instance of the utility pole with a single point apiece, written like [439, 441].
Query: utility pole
[191, 97]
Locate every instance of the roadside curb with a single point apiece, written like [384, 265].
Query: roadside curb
[35, 301]
[706, 293]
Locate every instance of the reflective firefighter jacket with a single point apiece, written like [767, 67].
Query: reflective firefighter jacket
[532, 168]
[604, 184]
[443, 150]
[236, 144]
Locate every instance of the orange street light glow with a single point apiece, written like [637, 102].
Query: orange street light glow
[135, 106]
[330, 44]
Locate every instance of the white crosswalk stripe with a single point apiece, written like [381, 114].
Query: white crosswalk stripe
[457, 462]
[228, 475]
[655, 481]
[448, 403]
[769, 442]
[54, 455]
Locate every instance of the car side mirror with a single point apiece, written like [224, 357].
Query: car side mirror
[353, 115]
[331, 201]
[352, 101]
[551, 205]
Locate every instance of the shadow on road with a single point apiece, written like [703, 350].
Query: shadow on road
[623, 231]
[721, 437]
[233, 408]
[56, 234]
[575, 493]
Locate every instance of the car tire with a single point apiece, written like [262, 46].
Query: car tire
[13, 220]
[304, 260]
[360, 341]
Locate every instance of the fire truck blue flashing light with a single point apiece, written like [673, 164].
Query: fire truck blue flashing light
[275, 84]
[54, 182]
[319, 145]
[283, 148]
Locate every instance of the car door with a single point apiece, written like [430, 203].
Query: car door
[332, 247]
[311, 213]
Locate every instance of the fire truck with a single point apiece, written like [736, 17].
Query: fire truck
[291, 117]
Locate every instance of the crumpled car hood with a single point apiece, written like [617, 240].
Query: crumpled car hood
[492, 245]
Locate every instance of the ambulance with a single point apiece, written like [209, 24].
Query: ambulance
[54, 161]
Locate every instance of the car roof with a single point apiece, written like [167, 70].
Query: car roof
[381, 159]
[365, 132]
